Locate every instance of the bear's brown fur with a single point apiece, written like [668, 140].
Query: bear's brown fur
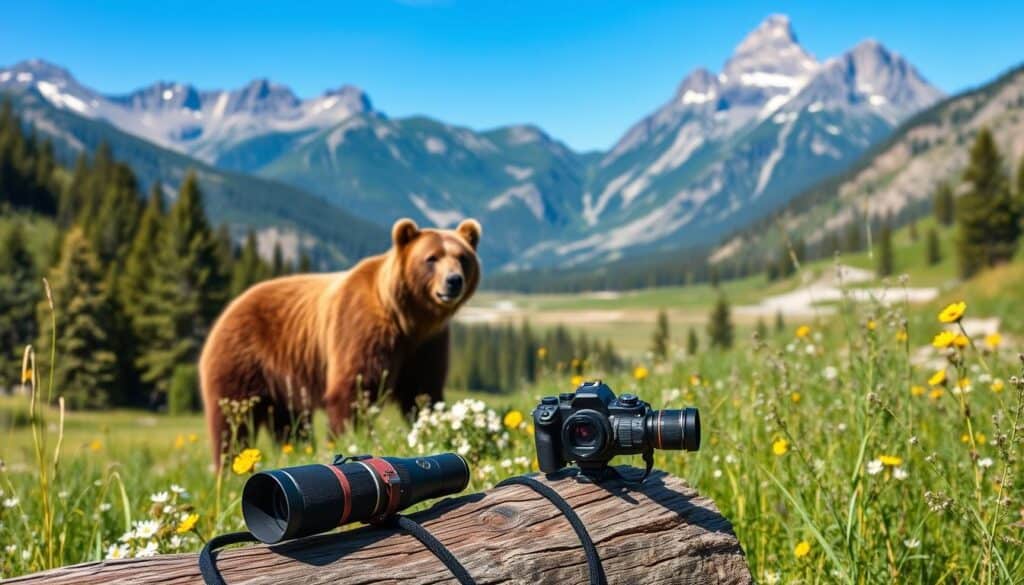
[313, 340]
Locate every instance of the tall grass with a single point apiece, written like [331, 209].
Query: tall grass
[826, 446]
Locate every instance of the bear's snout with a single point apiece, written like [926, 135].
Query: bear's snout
[453, 284]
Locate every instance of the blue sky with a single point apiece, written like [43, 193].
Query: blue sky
[583, 71]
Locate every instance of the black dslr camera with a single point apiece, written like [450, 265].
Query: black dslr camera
[591, 426]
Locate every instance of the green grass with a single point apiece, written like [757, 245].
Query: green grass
[793, 432]
[939, 523]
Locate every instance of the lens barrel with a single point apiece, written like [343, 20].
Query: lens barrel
[293, 502]
[674, 429]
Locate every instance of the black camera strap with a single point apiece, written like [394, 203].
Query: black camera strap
[212, 576]
[597, 576]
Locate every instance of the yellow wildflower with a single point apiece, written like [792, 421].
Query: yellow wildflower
[916, 390]
[287, 448]
[530, 429]
[871, 325]
[965, 438]
[542, 352]
[938, 378]
[997, 385]
[803, 331]
[309, 449]
[993, 340]
[961, 340]
[95, 445]
[795, 397]
[936, 393]
[803, 548]
[943, 339]
[179, 442]
[963, 383]
[576, 380]
[640, 373]
[192, 437]
[694, 379]
[513, 419]
[953, 312]
[245, 461]
[980, 438]
[890, 460]
[780, 447]
[187, 523]
[901, 335]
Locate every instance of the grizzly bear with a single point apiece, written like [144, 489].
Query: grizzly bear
[317, 340]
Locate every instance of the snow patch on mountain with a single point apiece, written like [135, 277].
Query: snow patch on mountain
[439, 217]
[527, 193]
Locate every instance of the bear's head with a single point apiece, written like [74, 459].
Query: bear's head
[440, 269]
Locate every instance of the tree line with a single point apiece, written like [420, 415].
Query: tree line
[134, 282]
[500, 358]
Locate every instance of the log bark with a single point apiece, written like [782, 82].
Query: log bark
[660, 532]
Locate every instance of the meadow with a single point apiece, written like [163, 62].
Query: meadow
[854, 446]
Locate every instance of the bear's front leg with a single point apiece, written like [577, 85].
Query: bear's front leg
[424, 373]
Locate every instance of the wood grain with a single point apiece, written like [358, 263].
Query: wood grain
[660, 532]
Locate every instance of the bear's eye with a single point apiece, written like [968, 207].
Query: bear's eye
[431, 259]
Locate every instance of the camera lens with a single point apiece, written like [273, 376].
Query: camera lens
[586, 434]
[674, 429]
[281, 504]
[583, 433]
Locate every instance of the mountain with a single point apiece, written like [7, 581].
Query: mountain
[731, 147]
[278, 212]
[727, 149]
[897, 178]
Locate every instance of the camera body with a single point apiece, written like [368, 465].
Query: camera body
[591, 426]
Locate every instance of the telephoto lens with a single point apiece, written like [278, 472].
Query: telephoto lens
[674, 429]
[281, 504]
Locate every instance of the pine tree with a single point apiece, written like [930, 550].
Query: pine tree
[660, 339]
[934, 250]
[249, 269]
[720, 328]
[305, 262]
[112, 227]
[86, 372]
[780, 323]
[692, 343]
[20, 290]
[913, 230]
[277, 268]
[988, 215]
[187, 289]
[943, 204]
[762, 329]
[885, 254]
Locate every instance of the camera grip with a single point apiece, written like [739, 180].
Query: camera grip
[549, 453]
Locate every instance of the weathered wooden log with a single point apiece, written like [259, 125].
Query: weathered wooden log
[662, 532]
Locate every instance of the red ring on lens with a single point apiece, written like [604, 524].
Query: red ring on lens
[346, 491]
[392, 482]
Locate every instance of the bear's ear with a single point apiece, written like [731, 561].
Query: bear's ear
[470, 230]
[404, 231]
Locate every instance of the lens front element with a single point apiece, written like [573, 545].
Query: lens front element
[586, 434]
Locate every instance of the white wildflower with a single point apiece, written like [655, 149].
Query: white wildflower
[900, 473]
[874, 467]
[911, 543]
[104, 506]
[716, 473]
[985, 462]
[117, 551]
[177, 489]
[506, 463]
[159, 498]
[830, 373]
[146, 529]
[151, 548]
[11, 502]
